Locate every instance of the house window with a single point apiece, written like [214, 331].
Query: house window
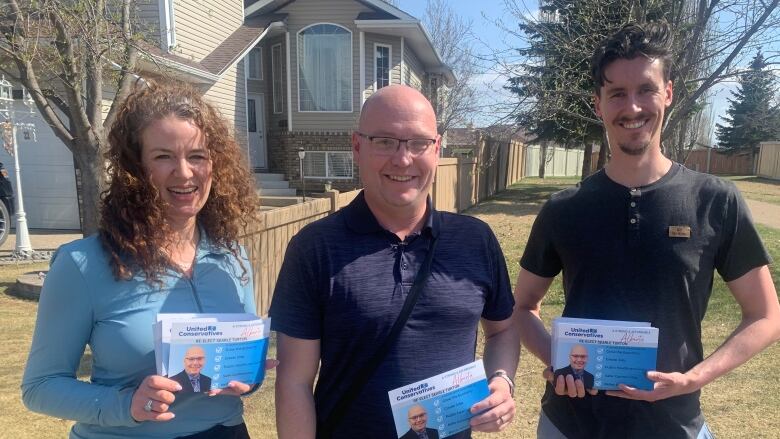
[254, 68]
[382, 56]
[276, 76]
[331, 165]
[325, 68]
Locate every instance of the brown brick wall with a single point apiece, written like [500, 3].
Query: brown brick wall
[283, 156]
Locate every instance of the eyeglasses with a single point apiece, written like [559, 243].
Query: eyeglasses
[417, 417]
[389, 145]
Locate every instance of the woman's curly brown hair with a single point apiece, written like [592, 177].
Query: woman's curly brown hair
[132, 221]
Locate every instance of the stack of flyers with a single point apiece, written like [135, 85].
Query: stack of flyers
[206, 351]
[439, 405]
[604, 353]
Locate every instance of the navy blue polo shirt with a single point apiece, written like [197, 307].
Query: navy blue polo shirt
[344, 280]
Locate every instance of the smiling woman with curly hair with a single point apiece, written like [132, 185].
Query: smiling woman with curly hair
[179, 193]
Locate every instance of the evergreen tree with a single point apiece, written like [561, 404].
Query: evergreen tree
[753, 115]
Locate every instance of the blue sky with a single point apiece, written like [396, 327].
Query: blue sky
[483, 15]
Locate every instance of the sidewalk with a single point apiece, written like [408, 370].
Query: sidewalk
[767, 214]
[41, 240]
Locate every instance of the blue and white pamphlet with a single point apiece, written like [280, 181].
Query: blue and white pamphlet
[207, 351]
[604, 353]
[441, 402]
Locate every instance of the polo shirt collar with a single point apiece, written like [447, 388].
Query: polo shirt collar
[360, 219]
[206, 247]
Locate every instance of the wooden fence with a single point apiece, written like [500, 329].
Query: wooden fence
[460, 183]
[769, 160]
[713, 162]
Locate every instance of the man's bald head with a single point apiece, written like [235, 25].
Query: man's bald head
[396, 99]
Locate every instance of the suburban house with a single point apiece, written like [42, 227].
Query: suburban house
[311, 72]
[288, 75]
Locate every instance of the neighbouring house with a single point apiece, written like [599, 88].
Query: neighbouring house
[287, 75]
[309, 76]
[462, 142]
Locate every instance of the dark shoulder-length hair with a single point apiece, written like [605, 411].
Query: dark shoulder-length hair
[133, 228]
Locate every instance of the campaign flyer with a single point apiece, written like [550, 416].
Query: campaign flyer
[604, 354]
[162, 331]
[440, 404]
[208, 355]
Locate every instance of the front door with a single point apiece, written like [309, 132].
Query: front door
[255, 111]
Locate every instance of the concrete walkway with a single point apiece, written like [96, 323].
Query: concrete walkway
[41, 240]
[767, 214]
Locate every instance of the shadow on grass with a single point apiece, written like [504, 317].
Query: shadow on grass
[518, 200]
[758, 180]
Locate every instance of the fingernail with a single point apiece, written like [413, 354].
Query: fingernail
[178, 387]
[173, 415]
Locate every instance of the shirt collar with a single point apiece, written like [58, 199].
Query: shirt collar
[206, 247]
[360, 219]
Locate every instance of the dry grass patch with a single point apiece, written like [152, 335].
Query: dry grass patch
[757, 188]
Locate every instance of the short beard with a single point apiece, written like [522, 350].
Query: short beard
[634, 151]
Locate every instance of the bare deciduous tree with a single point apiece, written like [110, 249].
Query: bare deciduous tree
[451, 36]
[70, 55]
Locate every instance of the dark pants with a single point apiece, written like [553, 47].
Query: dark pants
[221, 432]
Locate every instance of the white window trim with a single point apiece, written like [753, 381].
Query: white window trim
[167, 25]
[275, 98]
[404, 77]
[351, 72]
[328, 177]
[362, 61]
[289, 82]
[248, 58]
[389, 64]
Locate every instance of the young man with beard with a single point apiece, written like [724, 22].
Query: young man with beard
[640, 240]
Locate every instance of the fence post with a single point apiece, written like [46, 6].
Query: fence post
[333, 196]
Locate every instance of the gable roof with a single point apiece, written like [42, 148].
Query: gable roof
[232, 50]
[385, 19]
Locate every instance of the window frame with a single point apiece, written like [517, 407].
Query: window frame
[350, 64]
[389, 65]
[259, 57]
[327, 154]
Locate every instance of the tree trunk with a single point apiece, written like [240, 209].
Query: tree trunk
[603, 152]
[91, 171]
[586, 160]
[542, 158]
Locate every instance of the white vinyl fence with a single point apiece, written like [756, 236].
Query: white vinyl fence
[561, 162]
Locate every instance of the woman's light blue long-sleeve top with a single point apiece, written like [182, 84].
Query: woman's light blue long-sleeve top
[83, 304]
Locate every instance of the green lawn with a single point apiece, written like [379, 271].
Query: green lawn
[739, 405]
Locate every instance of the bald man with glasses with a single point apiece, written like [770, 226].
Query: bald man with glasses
[345, 279]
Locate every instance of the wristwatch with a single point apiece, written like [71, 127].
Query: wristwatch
[502, 374]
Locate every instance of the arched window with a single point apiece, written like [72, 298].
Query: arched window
[325, 68]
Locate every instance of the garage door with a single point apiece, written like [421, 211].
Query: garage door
[48, 180]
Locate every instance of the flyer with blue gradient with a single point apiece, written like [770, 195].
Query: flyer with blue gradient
[439, 403]
[605, 352]
[207, 351]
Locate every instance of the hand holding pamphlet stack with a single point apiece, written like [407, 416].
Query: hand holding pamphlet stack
[440, 404]
[206, 351]
[604, 353]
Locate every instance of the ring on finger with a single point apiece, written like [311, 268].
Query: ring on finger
[500, 419]
[148, 406]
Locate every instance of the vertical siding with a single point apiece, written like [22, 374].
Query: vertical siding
[395, 72]
[148, 19]
[414, 69]
[201, 25]
[303, 13]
